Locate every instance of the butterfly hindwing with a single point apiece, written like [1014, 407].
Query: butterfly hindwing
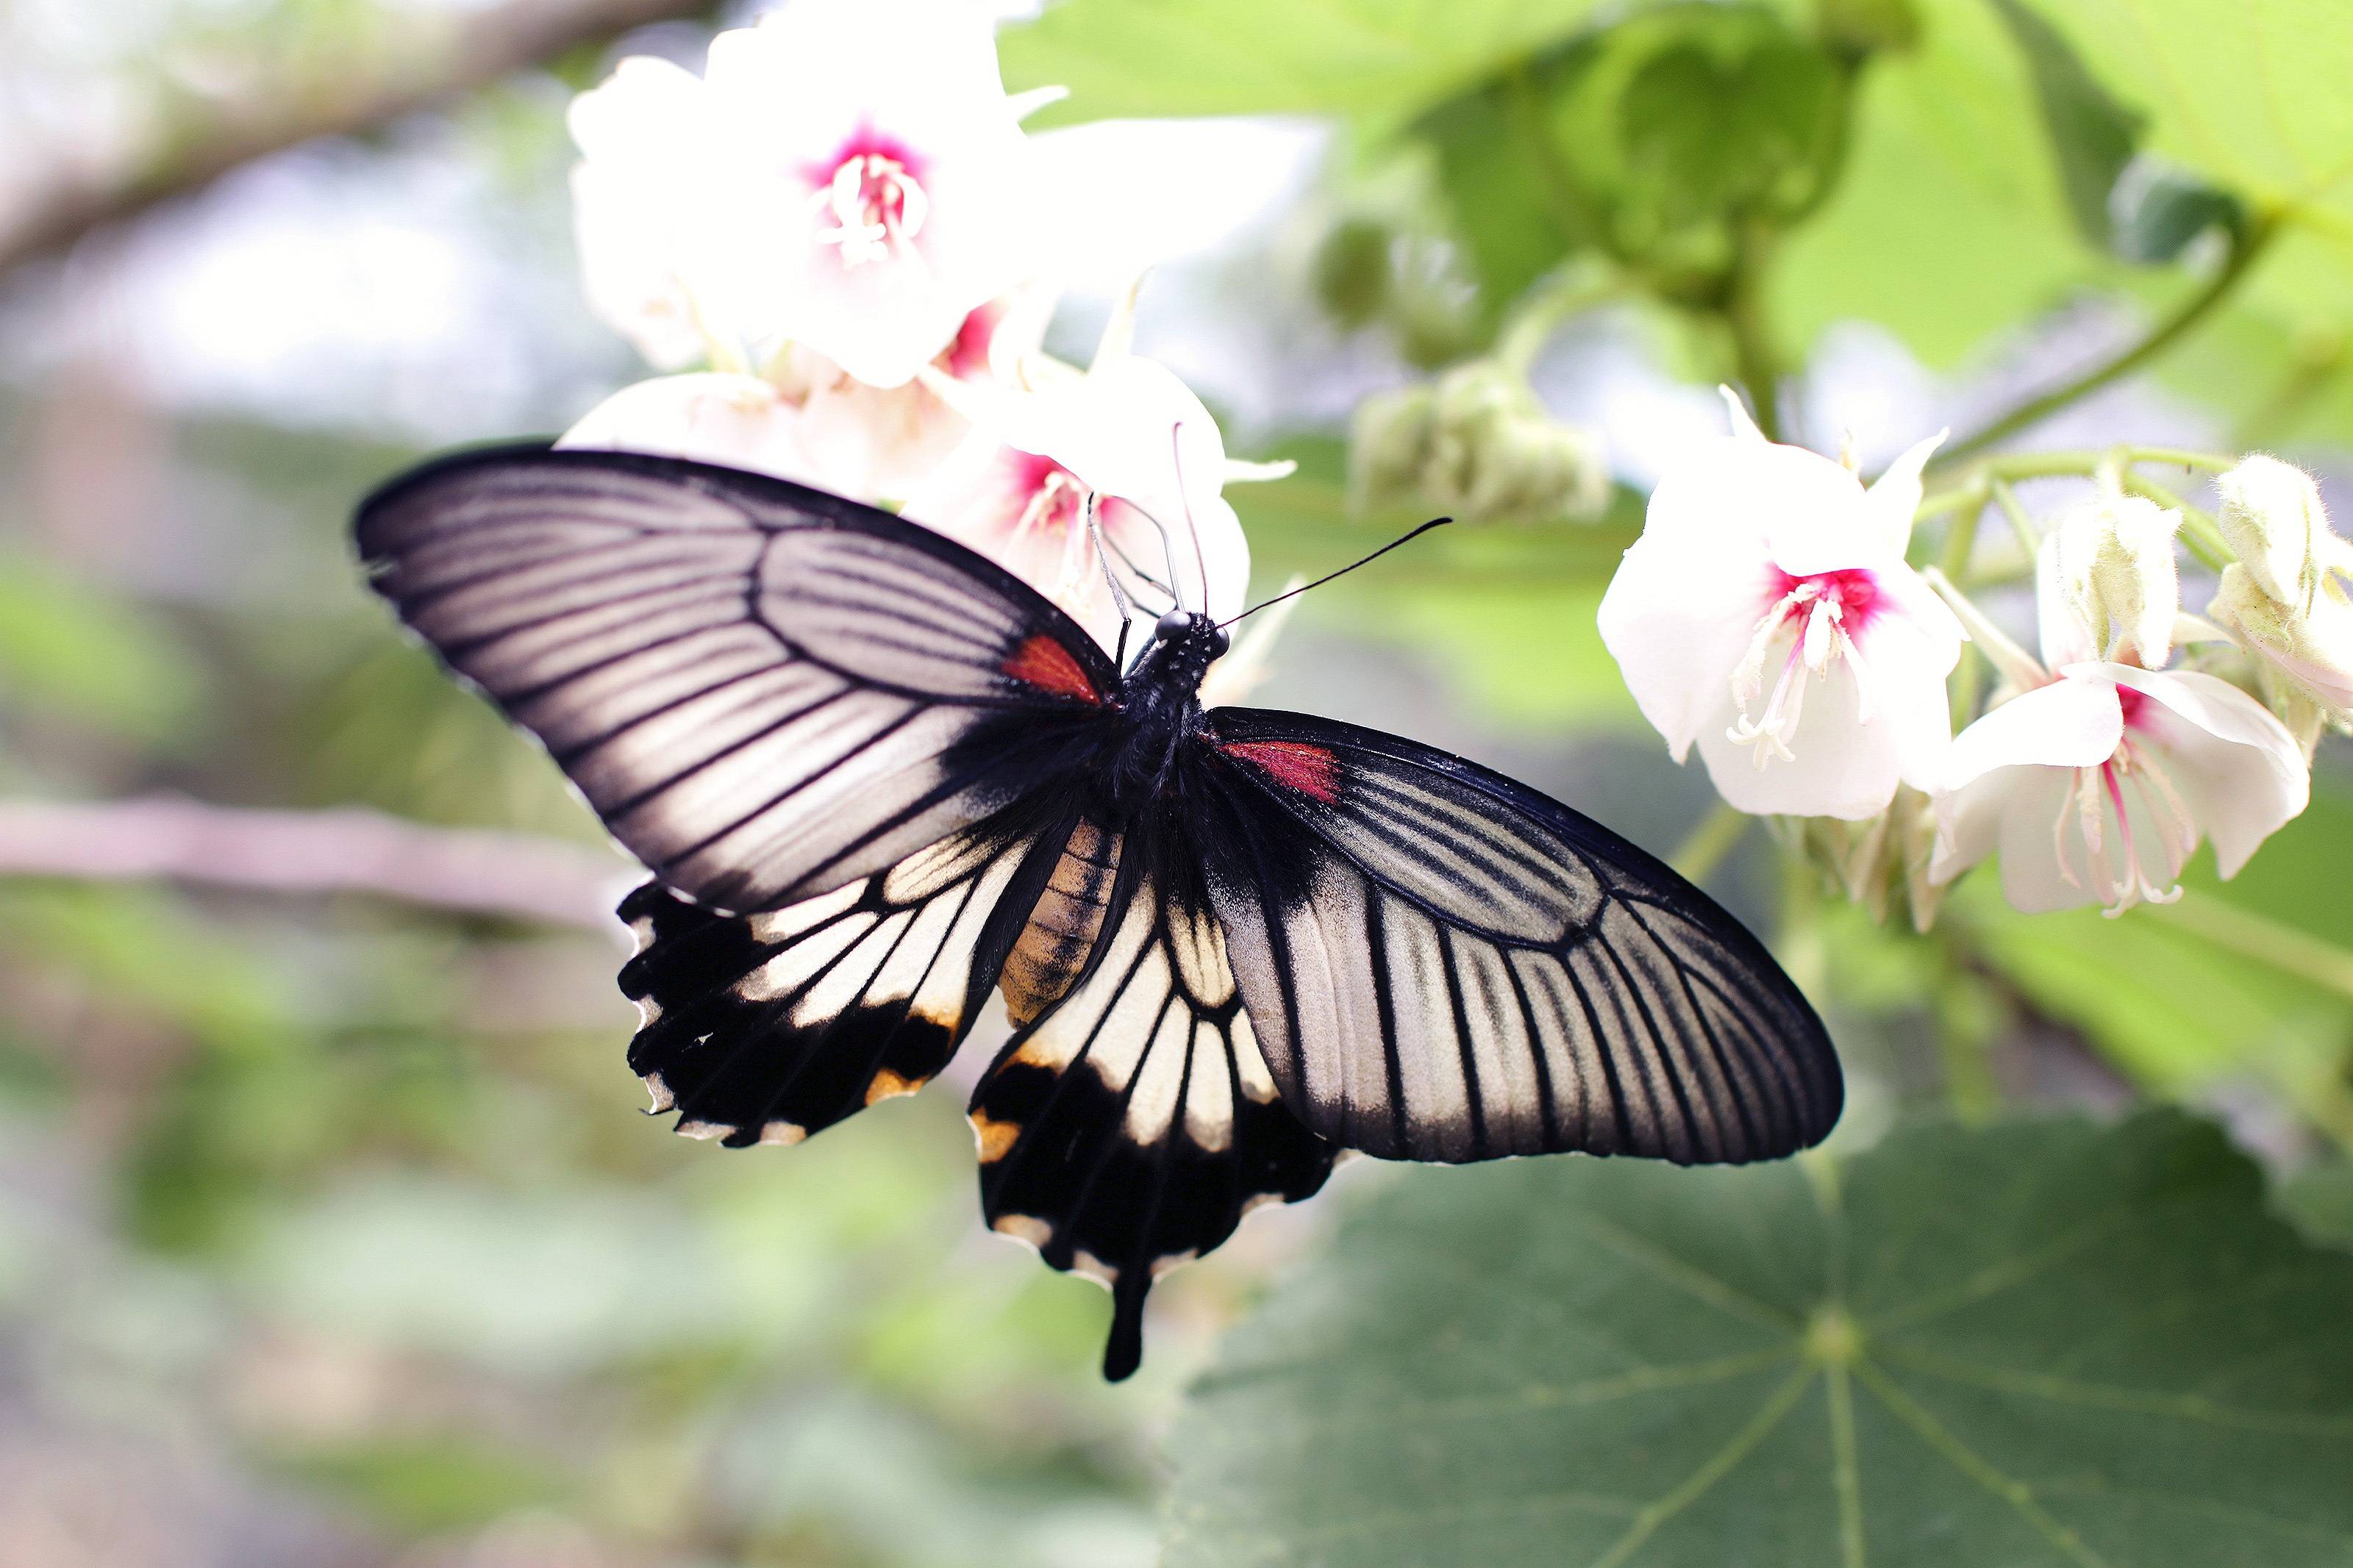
[1131, 1127]
[1444, 964]
[765, 1029]
[765, 692]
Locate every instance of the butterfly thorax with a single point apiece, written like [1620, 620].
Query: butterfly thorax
[1160, 699]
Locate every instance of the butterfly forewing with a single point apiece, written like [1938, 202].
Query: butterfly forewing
[765, 692]
[1443, 964]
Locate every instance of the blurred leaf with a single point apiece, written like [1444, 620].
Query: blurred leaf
[1653, 138]
[2035, 1344]
[2173, 1010]
[70, 649]
[2320, 1201]
[1947, 225]
[1239, 57]
[1500, 199]
[2251, 100]
[2161, 210]
[2092, 135]
[2178, 1010]
[418, 1484]
[1507, 609]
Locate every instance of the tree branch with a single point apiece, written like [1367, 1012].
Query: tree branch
[518, 876]
[441, 57]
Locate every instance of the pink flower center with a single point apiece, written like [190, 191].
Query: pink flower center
[1852, 597]
[1051, 496]
[1823, 616]
[871, 190]
[2135, 704]
[967, 357]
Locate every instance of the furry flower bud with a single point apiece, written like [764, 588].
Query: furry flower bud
[1478, 444]
[2273, 518]
[2116, 572]
[2313, 651]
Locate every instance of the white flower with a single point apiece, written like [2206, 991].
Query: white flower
[650, 204]
[848, 176]
[1130, 433]
[2098, 781]
[807, 420]
[884, 443]
[740, 421]
[1767, 614]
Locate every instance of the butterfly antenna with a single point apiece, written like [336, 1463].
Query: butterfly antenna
[1343, 571]
[1192, 524]
[1138, 573]
[1119, 601]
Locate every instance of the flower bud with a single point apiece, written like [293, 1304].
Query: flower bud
[2117, 573]
[2314, 652]
[1479, 445]
[1881, 858]
[2273, 521]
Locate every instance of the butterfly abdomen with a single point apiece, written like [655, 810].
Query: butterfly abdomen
[1062, 928]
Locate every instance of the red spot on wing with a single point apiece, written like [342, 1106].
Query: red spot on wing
[1047, 665]
[1312, 770]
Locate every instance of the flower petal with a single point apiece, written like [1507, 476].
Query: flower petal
[2240, 771]
[1894, 496]
[2075, 722]
[1678, 622]
[1838, 766]
[740, 421]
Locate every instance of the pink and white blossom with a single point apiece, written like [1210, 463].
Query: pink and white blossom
[808, 420]
[1767, 614]
[740, 421]
[848, 176]
[2098, 780]
[1132, 435]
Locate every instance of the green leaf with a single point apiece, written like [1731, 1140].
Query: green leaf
[2092, 135]
[1386, 58]
[2320, 1202]
[1947, 225]
[2043, 1343]
[2251, 98]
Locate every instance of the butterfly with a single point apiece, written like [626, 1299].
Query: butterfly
[874, 775]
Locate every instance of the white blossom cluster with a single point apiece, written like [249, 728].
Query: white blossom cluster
[843, 220]
[1768, 613]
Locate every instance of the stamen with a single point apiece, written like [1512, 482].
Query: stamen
[1833, 608]
[877, 207]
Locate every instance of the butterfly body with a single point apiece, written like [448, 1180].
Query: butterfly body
[874, 776]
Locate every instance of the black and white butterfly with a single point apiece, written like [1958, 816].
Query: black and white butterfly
[874, 775]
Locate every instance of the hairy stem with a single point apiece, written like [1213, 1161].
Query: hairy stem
[2160, 337]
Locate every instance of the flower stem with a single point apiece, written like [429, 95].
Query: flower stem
[1754, 359]
[2290, 949]
[2199, 532]
[2244, 255]
[2020, 523]
[1543, 312]
[1961, 543]
[1705, 846]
